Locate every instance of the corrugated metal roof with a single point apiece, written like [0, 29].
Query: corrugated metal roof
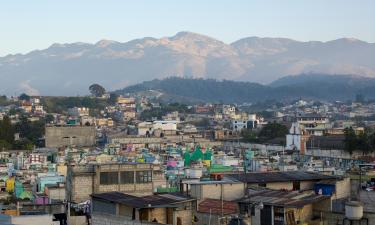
[268, 177]
[142, 202]
[215, 206]
[282, 198]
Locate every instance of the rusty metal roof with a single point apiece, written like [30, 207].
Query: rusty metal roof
[218, 207]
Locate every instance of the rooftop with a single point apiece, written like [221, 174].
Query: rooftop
[291, 199]
[268, 177]
[150, 201]
[215, 206]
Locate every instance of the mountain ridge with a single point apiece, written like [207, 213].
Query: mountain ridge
[308, 86]
[68, 69]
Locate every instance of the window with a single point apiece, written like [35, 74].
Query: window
[144, 176]
[127, 177]
[108, 178]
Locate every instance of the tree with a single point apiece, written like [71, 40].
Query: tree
[363, 142]
[24, 97]
[49, 118]
[249, 135]
[97, 90]
[113, 98]
[4, 145]
[273, 130]
[350, 140]
[6, 130]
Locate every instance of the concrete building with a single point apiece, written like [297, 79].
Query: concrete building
[314, 124]
[61, 136]
[82, 181]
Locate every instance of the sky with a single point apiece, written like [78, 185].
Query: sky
[30, 25]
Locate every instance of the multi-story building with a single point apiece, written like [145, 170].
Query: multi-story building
[314, 124]
[132, 178]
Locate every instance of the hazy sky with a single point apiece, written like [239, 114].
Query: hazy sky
[28, 25]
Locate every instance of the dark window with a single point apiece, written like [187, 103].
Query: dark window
[127, 177]
[262, 185]
[108, 178]
[144, 176]
[296, 185]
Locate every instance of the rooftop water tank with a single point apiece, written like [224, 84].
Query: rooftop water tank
[354, 210]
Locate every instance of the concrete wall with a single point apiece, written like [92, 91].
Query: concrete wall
[228, 192]
[70, 135]
[82, 187]
[104, 219]
[33, 220]
[307, 185]
[204, 218]
[335, 153]
[343, 189]
[56, 193]
[280, 185]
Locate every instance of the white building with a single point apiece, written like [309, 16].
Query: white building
[294, 138]
[251, 123]
[148, 128]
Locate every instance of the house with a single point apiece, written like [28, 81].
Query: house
[275, 207]
[119, 208]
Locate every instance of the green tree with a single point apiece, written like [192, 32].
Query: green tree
[24, 97]
[113, 98]
[49, 118]
[6, 130]
[363, 142]
[97, 90]
[273, 130]
[4, 145]
[350, 140]
[249, 135]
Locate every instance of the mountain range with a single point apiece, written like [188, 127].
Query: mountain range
[306, 86]
[69, 69]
